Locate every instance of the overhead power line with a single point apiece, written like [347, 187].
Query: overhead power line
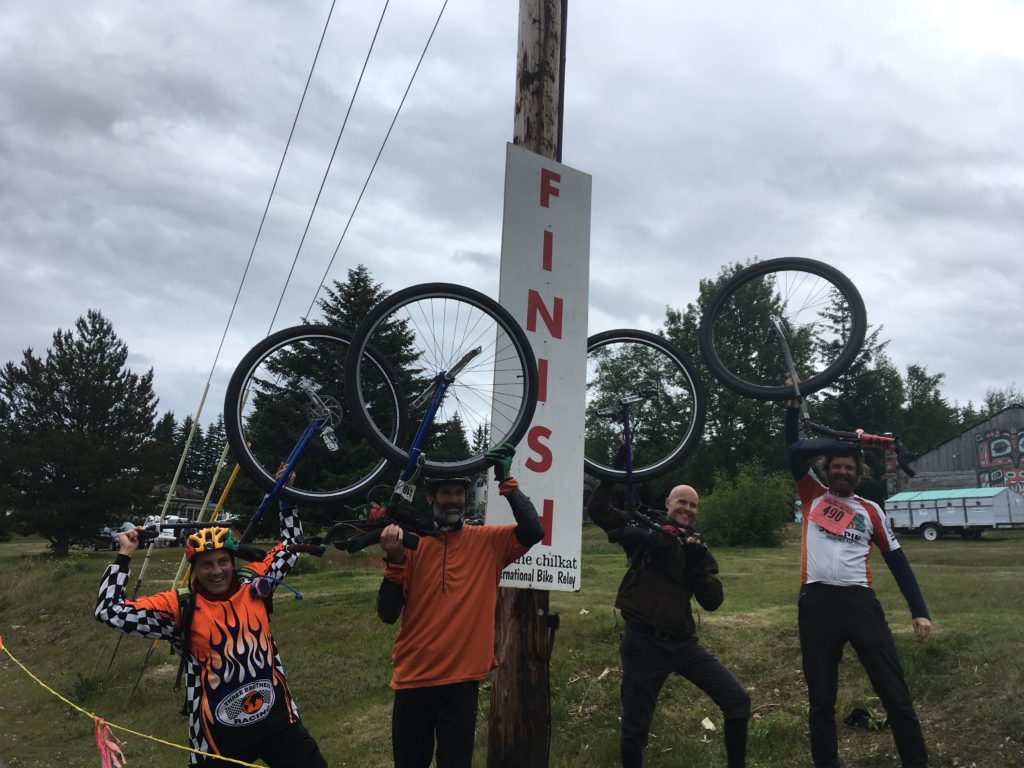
[327, 170]
[376, 159]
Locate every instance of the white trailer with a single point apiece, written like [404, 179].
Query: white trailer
[965, 511]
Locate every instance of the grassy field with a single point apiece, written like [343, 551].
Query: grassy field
[967, 680]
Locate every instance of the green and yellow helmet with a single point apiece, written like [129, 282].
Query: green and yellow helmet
[209, 539]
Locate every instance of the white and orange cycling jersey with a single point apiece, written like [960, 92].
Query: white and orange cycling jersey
[837, 535]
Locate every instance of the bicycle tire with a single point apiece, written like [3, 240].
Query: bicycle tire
[504, 408]
[263, 431]
[747, 358]
[633, 360]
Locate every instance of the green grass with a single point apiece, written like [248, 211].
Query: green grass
[967, 680]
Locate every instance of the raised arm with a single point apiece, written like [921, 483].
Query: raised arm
[528, 531]
[154, 617]
[601, 511]
[391, 595]
[799, 463]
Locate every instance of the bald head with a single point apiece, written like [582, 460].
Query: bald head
[681, 505]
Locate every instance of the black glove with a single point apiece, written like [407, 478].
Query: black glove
[501, 459]
[695, 552]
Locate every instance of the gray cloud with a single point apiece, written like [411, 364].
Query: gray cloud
[138, 145]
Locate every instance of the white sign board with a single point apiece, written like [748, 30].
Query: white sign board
[545, 272]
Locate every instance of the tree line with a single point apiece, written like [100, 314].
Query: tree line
[82, 444]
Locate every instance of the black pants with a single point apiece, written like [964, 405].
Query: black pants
[291, 747]
[449, 711]
[648, 660]
[830, 617]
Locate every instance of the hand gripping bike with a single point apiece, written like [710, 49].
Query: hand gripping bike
[466, 358]
[645, 414]
[808, 326]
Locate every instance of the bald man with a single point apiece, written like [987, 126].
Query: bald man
[664, 571]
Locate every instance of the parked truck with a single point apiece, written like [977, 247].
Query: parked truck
[963, 511]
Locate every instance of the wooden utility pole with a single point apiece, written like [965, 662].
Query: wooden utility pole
[520, 708]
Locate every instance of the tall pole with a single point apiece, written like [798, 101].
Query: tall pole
[520, 707]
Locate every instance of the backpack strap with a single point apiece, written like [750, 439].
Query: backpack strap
[186, 610]
[245, 572]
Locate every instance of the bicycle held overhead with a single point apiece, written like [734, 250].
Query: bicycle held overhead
[335, 399]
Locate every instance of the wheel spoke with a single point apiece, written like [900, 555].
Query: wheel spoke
[426, 330]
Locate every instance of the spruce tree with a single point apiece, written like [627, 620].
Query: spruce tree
[76, 423]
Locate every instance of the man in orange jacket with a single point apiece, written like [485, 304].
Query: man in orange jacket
[445, 590]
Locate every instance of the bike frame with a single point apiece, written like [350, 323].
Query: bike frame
[320, 422]
[405, 488]
[889, 443]
[620, 412]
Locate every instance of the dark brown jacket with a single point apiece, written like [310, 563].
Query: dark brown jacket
[661, 577]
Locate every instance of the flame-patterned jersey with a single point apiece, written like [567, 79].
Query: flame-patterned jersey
[236, 691]
[837, 535]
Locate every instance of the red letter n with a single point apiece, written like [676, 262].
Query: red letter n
[535, 306]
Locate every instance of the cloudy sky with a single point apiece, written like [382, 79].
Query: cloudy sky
[139, 143]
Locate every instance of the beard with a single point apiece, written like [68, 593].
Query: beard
[449, 515]
[841, 486]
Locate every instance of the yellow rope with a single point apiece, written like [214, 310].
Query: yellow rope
[101, 721]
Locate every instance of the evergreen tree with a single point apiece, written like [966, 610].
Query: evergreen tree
[75, 428]
[214, 440]
[447, 440]
[739, 429]
[193, 472]
[278, 412]
[481, 437]
[997, 400]
[968, 415]
[346, 304]
[928, 418]
[161, 455]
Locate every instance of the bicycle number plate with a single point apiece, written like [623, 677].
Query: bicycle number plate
[832, 515]
[405, 490]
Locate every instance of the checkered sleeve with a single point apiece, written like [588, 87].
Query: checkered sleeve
[281, 560]
[154, 617]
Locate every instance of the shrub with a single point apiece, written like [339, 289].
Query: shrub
[749, 510]
[75, 562]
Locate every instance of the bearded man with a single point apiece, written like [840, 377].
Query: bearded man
[837, 604]
[445, 591]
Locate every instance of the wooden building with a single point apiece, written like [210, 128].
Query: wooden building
[988, 455]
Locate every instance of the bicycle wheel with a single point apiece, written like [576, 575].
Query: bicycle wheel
[666, 422]
[281, 385]
[427, 329]
[821, 312]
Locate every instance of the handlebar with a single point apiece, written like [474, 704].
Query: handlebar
[654, 520]
[885, 442]
[409, 540]
[368, 532]
[150, 532]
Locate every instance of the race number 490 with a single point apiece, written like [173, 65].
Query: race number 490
[832, 515]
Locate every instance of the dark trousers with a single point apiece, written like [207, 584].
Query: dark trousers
[648, 660]
[449, 711]
[291, 747]
[829, 618]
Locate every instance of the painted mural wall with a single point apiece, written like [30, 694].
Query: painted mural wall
[989, 455]
[999, 458]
